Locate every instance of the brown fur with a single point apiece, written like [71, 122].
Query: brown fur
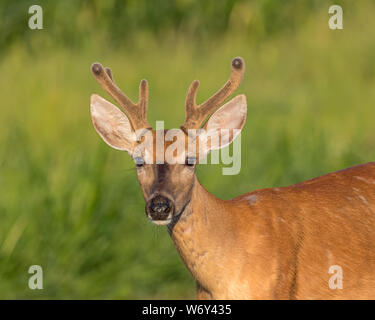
[279, 243]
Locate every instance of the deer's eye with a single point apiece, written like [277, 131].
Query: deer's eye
[190, 161]
[139, 162]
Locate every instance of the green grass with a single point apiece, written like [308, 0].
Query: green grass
[73, 205]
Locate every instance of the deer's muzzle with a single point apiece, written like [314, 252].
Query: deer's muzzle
[160, 209]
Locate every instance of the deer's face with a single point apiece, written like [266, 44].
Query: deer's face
[165, 160]
[166, 178]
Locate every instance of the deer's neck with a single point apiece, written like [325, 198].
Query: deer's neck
[198, 236]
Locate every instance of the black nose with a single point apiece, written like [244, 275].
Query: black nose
[159, 208]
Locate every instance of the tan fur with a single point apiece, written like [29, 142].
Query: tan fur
[279, 243]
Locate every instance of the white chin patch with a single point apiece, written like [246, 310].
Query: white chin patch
[161, 222]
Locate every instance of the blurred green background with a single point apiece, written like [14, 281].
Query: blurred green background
[72, 205]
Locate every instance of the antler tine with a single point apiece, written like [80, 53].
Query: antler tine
[135, 112]
[195, 115]
[109, 72]
[190, 102]
[143, 97]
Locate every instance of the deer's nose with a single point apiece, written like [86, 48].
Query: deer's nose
[159, 208]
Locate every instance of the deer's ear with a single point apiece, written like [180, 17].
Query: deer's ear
[228, 120]
[111, 124]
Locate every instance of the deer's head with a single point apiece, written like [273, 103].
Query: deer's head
[165, 159]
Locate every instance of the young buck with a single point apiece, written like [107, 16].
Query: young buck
[311, 240]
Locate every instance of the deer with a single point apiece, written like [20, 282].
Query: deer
[273, 243]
